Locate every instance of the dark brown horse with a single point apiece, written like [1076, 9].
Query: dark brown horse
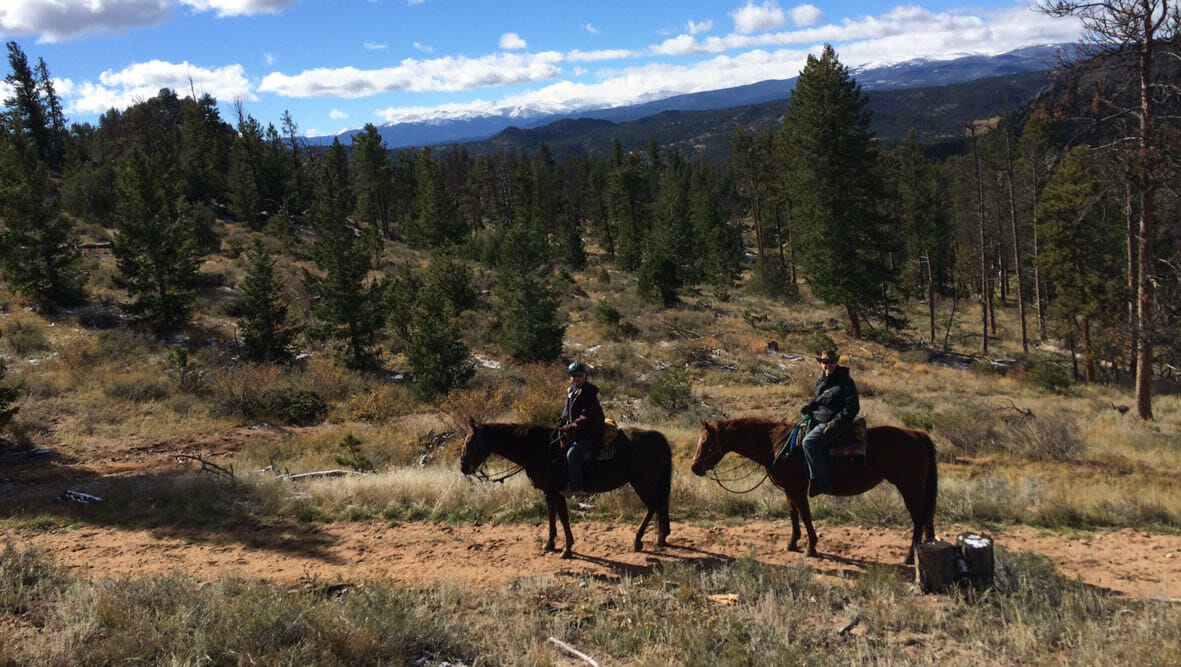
[642, 458]
[903, 457]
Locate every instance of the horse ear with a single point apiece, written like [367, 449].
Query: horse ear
[471, 422]
[706, 425]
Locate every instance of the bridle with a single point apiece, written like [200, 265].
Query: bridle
[713, 473]
[482, 454]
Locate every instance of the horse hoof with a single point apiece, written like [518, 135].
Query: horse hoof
[567, 554]
[794, 547]
[812, 553]
[639, 546]
[550, 547]
[909, 560]
[662, 542]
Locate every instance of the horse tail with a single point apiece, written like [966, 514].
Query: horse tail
[666, 479]
[932, 483]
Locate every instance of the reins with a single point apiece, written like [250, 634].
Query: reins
[766, 469]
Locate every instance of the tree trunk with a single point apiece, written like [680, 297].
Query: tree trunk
[1147, 212]
[1016, 241]
[931, 299]
[935, 566]
[1133, 272]
[854, 322]
[1088, 358]
[985, 297]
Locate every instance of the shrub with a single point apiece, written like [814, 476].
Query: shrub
[353, 457]
[23, 335]
[771, 278]
[7, 398]
[671, 389]
[1049, 376]
[298, 407]
[136, 388]
[1050, 437]
[97, 316]
[819, 342]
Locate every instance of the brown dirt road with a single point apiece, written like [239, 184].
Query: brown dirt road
[1127, 562]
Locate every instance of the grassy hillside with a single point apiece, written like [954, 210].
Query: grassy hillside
[105, 408]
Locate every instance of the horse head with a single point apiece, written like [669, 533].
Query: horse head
[709, 449]
[475, 450]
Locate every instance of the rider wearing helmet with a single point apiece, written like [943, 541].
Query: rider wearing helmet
[833, 408]
[582, 418]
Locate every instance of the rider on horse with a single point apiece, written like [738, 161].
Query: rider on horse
[833, 408]
[583, 419]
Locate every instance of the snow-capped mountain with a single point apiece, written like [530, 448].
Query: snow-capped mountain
[469, 126]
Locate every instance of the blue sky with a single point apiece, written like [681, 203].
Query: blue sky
[340, 64]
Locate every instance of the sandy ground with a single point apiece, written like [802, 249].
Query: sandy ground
[1126, 562]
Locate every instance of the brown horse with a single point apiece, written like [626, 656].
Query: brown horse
[642, 458]
[903, 457]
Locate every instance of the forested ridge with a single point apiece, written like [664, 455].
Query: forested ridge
[373, 252]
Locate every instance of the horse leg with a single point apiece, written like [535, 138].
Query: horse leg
[665, 525]
[639, 545]
[915, 505]
[806, 515]
[553, 529]
[794, 544]
[564, 515]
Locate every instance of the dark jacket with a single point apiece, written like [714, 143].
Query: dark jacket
[583, 410]
[835, 398]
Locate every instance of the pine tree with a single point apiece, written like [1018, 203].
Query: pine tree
[155, 247]
[373, 178]
[245, 186]
[720, 260]
[926, 224]
[38, 244]
[26, 109]
[1081, 245]
[348, 304]
[266, 332]
[438, 222]
[528, 306]
[837, 192]
[8, 396]
[439, 361]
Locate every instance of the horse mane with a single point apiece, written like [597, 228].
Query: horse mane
[742, 423]
[516, 430]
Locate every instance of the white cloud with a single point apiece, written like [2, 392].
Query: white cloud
[142, 81]
[268, 58]
[604, 54]
[758, 18]
[899, 35]
[424, 48]
[337, 114]
[696, 28]
[452, 73]
[591, 29]
[239, 7]
[374, 46]
[580, 71]
[805, 15]
[58, 20]
[511, 40]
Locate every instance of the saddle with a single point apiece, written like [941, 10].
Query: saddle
[851, 447]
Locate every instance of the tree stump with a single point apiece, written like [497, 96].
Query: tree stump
[935, 566]
[977, 553]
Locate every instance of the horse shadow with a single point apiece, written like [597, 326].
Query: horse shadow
[657, 559]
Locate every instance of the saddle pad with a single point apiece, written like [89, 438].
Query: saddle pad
[852, 449]
[600, 453]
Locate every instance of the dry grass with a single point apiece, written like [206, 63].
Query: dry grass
[781, 614]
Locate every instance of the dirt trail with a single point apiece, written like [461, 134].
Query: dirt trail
[1127, 562]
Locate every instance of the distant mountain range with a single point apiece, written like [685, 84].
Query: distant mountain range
[912, 74]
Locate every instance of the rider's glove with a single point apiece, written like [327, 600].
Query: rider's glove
[807, 409]
[830, 427]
